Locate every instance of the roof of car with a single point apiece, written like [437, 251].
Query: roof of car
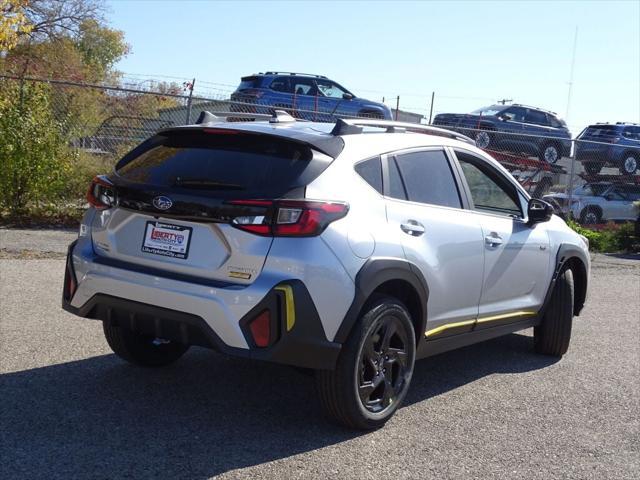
[330, 138]
[289, 74]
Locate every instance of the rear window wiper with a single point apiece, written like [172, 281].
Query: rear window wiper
[205, 184]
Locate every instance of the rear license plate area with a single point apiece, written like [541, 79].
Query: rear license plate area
[166, 239]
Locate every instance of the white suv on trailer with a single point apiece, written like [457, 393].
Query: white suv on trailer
[352, 249]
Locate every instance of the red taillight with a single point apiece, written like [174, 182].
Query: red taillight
[288, 218]
[101, 193]
[260, 328]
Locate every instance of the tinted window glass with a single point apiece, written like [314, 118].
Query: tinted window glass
[396, 188]
[371, 171]
[329, 89]
[280, 84]
[533, 116]
[601, 131]
[303, 86]
[427, 178]
[515, 114]
[555, 123]
[487, 190]
[237, 163]
[632, 132]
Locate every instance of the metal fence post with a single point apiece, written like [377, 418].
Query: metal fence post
[397, 106]
[433, 95]
[571, 174]
[193, 83]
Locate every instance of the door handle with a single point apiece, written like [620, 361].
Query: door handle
[493, 239]
[413, 228]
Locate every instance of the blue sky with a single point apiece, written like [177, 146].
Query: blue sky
[470, 53]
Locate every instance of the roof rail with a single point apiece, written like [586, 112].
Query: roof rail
[535, 108]
[212, 117]
[355, 126]
[279, 116]
[294, 73]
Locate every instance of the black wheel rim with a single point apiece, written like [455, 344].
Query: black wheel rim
[384, 365]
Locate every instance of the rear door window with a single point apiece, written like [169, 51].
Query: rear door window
[228, 162]
[427, 178]
[536, 117]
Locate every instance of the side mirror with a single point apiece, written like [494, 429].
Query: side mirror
[347, 96]
[539, 211]
[503, 118]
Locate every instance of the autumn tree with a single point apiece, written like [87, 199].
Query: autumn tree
[13, 24]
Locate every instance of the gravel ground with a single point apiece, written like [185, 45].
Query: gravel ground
[70, 409]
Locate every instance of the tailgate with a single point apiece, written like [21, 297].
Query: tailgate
[178, 196]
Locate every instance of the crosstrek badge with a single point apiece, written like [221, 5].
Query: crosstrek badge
[166, 239]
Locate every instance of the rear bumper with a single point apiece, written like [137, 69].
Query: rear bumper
[213, 317]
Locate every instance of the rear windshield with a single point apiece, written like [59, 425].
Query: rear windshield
[217, 162]
[602, 131]
[249, 82]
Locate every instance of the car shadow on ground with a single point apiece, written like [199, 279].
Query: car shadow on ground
[203, 416]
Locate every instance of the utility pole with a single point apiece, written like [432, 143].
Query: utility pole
[190, 87]
[573, 64]
[566, 119]
[433, 95]
[397, 106]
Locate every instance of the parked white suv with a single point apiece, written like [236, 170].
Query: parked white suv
[352, 249]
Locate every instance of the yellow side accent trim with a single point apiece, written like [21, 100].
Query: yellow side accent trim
[521, 313]
[448, 326]
[441, 328]
[290, 306]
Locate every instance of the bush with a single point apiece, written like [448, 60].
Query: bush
[614, 238]
[35, 157]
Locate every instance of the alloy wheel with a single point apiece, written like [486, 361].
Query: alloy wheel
[630, 164]
[551, 154]
[384, 366]
[482, 140]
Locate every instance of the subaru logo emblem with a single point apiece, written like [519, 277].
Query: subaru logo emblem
[162, 203]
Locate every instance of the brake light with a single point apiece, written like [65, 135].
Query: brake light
[260, 328]
[101, 194]
[288, 218]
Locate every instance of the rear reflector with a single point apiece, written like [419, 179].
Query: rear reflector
[260, 328]
[288, 218]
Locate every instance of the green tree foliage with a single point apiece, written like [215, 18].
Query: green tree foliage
[34, 155]
[101, 47]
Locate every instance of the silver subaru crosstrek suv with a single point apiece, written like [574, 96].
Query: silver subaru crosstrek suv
[352, 249]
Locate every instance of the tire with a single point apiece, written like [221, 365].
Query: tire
[385, 323]
[629, 164]
[142, 350]
[592, 168]
[553, 335]
[483, 139]
[550, 153]
[591, 216]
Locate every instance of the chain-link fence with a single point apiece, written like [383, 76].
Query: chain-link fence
[593, 178]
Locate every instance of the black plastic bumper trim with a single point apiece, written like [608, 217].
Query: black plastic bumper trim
[305, 345]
